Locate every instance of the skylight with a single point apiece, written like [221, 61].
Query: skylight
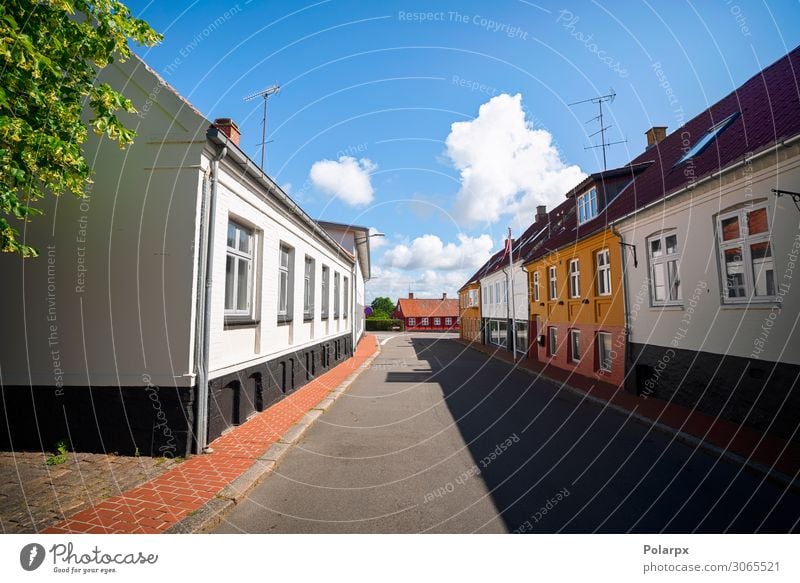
[708, 137]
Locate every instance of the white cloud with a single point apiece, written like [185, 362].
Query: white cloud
[396, 283]
[428, 252]
[506, 166]
[347, 179]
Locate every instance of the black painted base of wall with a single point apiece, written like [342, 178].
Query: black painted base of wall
[236, 396]
[763, 395]
[149, 420]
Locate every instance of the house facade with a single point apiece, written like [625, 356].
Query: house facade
[712, 305]
[187, 292]
[469, 304]
[428, 315]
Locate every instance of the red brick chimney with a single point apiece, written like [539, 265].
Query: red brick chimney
[410, 295]
[444, 296]
[541, 213]
[228, 127]
[655, 134]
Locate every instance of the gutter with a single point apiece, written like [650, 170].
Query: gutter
[206, 280]
[625, 288]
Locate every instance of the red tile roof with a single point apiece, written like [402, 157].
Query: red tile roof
[421, 308]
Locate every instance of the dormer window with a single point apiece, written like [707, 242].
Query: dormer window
[587, 206]
[707, 138]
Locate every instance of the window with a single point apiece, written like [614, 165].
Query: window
[575, 345]
[308, 289]
[498, 292]
[603, 273]
[412, 321]
[665, 282]
[437, 321]
[553, 282]
[552, 340]
[285, 282]
[326, 294]
[448, 321]
[521, 331]
[346, 297]
[574, 279]
[424, 322]
[238, 270]
[486, 295]
[473, 298]
[707, 138]
[336, 295]
[748, 269]
[535, 286]
[604, 351]
[587, 206]
[498, 334]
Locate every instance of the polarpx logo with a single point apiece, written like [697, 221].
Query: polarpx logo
[31, 556]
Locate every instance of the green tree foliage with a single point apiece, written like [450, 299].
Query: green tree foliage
[382, 307]
[50, 54]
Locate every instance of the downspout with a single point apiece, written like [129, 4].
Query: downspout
[625, 379]
[353, 303]
[204, 302]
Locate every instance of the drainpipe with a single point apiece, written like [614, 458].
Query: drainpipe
[204, 302]
[625, 379]
[353, 301]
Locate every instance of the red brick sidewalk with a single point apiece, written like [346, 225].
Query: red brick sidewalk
[156, 505]
[750, 444]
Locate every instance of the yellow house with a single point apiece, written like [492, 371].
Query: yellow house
[469, 302]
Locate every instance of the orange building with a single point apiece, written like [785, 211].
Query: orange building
[469, 305]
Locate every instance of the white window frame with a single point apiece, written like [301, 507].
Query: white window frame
[309, 290]
[603, 272]
[285, 282]
[574, 278]
[536, 286]
[448, 321]
[345, 296]
[552, 279]
[325, 292]
[412, 321]
[745, 241]
[575, 345]
[552, 340]
[424, 322]
[437, 321]
[604, 362]
[336, 294]
[239, 256]
[587, 206]
[661, 263]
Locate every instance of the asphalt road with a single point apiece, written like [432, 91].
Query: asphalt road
[436, 437]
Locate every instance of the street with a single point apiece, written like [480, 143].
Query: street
[437, 437]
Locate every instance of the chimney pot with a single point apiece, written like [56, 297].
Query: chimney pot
[410, 295]
[444, 296]
[655, 134]
[541, 213]
[228, 127]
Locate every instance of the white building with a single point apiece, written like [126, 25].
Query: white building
[187, 292]
[713, 300]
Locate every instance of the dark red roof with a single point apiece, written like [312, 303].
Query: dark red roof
[422, 308]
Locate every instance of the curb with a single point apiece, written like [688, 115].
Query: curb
[213, 512]
[698, 443]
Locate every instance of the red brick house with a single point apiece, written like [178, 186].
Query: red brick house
[424, 314]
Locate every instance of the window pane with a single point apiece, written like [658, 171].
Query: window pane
[655, 248]
[672, 244]
[242, 287]
[757, 222]
[576, 345]
[284, 291]
[674, 280]
[284, 257]
[604, 349]
[244, 241]
[730, 229]
[232, 235]
[229, 282]
[734, 272]
[763, 269]
[659, 283]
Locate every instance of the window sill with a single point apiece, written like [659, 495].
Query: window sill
[308, 318]
[282, 320]
[232, 322]
[667, 307]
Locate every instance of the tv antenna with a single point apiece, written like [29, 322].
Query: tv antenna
[599, 118]
[265, 93]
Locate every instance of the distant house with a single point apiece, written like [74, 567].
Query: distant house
[428, 315]
[185, 294]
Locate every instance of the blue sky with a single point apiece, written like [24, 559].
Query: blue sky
[363, 128]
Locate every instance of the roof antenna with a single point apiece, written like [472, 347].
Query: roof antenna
[602, 131]
[265, 93]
